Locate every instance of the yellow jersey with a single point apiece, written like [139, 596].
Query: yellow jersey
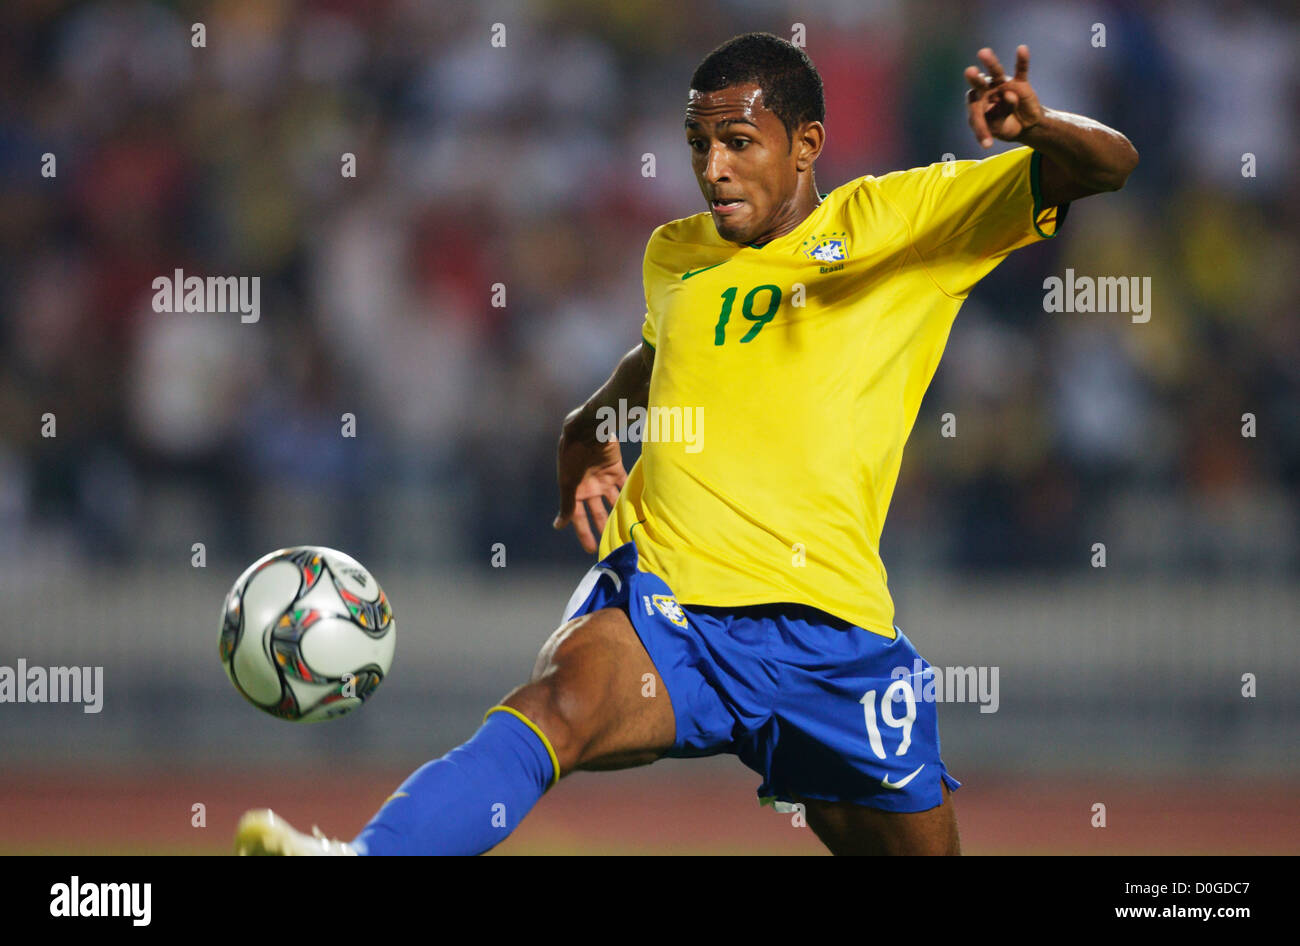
[787, 378]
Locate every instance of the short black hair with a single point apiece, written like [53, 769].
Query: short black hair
[792, 87]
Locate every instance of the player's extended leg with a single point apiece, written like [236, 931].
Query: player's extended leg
[846, 828]
[584, 708]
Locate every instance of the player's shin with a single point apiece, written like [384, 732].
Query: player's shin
[470, 799]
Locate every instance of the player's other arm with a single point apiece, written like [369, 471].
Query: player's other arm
[1080, 156]
[588, 468]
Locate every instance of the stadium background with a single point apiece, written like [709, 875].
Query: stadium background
[522, 165]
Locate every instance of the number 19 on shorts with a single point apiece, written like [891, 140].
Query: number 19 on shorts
[887, 716]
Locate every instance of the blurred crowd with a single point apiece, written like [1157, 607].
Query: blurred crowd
[480, 275]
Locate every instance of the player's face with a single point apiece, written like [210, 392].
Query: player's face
[743, 162]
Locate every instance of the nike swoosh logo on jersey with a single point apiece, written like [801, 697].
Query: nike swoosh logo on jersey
[901, 782]
[695, 272]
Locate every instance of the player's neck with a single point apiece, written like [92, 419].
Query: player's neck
[804, 202]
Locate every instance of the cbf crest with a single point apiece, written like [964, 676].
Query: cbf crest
[830, 249]
[670, 609]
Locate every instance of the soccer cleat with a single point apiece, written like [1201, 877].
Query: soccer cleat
[263, 833]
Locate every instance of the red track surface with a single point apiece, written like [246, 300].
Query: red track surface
[683, 808]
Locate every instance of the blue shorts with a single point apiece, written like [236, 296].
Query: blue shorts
[818, 707]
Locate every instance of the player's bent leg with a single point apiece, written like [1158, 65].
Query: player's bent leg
[847, 828]
[588, 696]
[582, 708]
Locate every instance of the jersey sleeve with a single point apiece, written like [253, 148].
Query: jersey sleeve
[964, 217]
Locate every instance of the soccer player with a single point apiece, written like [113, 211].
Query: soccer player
[740, 604]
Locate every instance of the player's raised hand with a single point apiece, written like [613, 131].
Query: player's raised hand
[589, 471]
[998, 106]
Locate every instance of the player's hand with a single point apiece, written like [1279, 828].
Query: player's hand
[997, 106]
[590, 473]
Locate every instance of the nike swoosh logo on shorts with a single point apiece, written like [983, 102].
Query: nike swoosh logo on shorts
[901, 782]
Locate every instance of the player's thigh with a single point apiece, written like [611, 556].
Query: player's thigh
[846, 828]
[588, 694]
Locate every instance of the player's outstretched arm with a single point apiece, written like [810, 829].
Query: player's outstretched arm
[588, 468]
[1080, 156]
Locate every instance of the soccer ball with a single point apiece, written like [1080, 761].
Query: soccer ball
[307, 634]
